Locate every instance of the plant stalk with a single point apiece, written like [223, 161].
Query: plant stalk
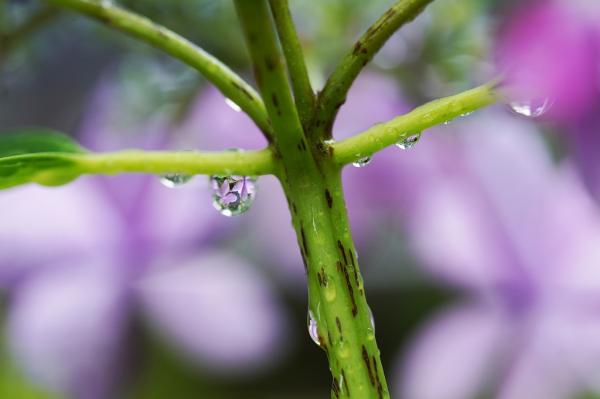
[312, 183]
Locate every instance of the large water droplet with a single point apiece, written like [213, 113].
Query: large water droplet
[409, 142]
[173, 180]
[313, 330]
[531, 108]
[362, 162]
[232, 105]
[233, 195]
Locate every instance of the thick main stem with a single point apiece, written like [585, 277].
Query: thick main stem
[311, 180]
[336, 291]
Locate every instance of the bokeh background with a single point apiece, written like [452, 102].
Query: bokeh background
[480, 246]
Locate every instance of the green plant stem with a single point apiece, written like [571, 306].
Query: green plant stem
[303, 92]
[336, 88]
[247, 163]
[311, 181]
[433, 113]
[227, 81]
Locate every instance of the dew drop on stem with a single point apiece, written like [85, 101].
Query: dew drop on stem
[531, 108]
[313, 330]
[233, 105]
[409, 142]
[174, 180]
[362, 162]
[232, 195]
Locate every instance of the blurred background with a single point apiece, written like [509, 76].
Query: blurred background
[480, 246]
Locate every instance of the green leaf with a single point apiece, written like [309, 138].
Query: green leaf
[37, 156]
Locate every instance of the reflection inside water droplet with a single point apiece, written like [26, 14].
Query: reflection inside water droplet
[409, 142]
[173, 180]
[312, 328]
[232, 195]
[362, 162]
[531, 108]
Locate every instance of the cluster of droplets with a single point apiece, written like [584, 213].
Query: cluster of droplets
[405, 144]
[232, 195]
[531, 108]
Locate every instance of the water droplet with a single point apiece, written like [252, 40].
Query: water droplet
[313, 330]
[232, 105]
[362, 162]
[371, 318]
[446, 123]
[531, 108]
[409, 142]
[173, 180]
[233, 195]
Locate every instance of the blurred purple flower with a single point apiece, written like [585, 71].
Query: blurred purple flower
[521, 237]
[77, 261]
[550, 50]
[216, 126]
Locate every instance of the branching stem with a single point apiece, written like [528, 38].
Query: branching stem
[247, 163]
[303, 92]
[337, 86]
[227, 81]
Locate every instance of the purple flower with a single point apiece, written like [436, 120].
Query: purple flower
[550, 50]
[80, 260]
[521, 238]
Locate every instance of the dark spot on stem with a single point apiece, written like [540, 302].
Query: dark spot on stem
[378, 381]
[339, 327]
[335, 387]
[350, 289]
[328, 198]
[365, 356]
[270, 63]
[342, 251]
[304, 244]
[242, 89]
[346, 383]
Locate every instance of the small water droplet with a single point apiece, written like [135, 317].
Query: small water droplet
[362, 162]
[313, 330]
[232, 195]
[371, 318]
[465, 114]
[409, 142]
[341, 383]
[232, 105]
[173, 180]
[531, 108]
[446, 123]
